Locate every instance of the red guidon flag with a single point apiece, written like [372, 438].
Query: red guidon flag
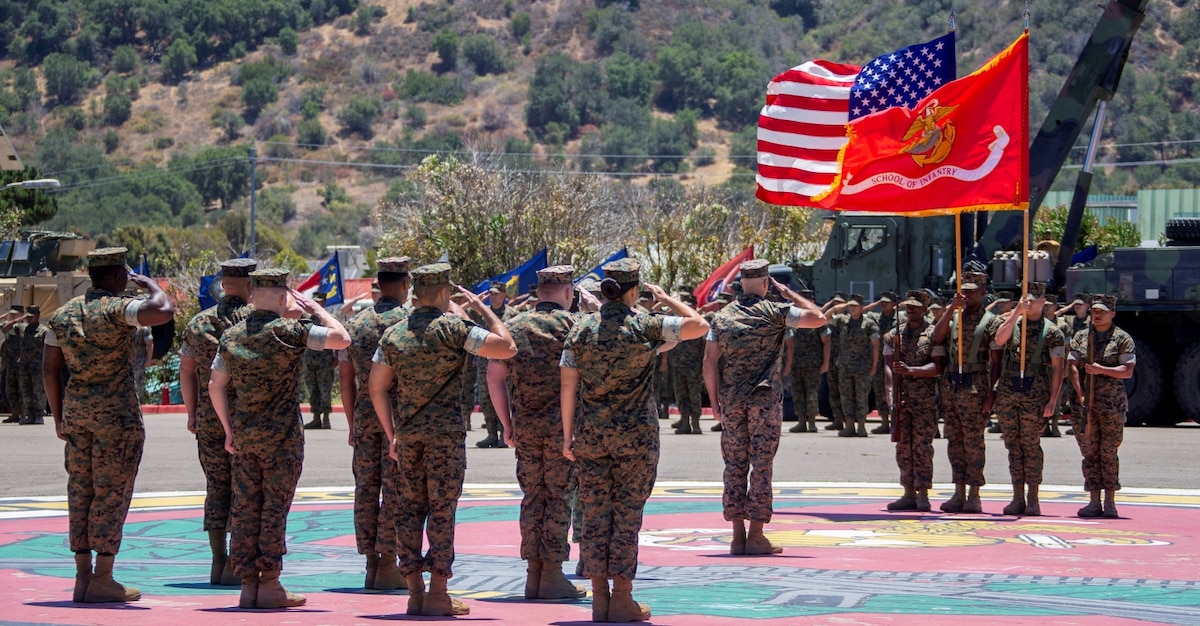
[964, 147]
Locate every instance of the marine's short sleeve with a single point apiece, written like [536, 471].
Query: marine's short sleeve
[567, 360]
[872, 328]
[131, 313]
[51, 339]
[343, 356]
[317, 335]
[218, 365]
[476, 337]
[794, 315]
[379, 357]
[185, 350]
[672, 329]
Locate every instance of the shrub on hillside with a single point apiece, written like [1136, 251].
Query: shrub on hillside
[179, 59]
[425, 87]
[484, 54]
[65, 77]
[359, 115]
[311, 134]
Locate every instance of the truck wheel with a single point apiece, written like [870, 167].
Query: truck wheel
[1145, 388]
[1187, 381]
[1183, 229]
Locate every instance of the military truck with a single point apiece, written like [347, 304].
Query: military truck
[41, 269]
[869, 253]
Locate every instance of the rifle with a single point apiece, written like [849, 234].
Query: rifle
[1091, 380]
[897, 386]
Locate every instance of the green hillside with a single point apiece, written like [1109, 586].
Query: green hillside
[147, 109]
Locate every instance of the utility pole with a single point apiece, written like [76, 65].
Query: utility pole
[253, 185]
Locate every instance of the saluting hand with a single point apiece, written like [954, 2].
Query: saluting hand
[142, 281]
[474, 302]
[306, 304]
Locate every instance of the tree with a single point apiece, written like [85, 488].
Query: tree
[445, 44]
[520, 25]
[359, 115]
[117, 108]
[65, 76]
[311, 134]
[482, 52]
[220, 174]
[179, 59]
[288, 40]
[23, 207]
[258, 93]
[629, 78]
[125, 60]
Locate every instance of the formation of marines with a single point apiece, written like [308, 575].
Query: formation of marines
[574, 385]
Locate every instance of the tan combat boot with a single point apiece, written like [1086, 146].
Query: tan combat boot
[221, 572]
[83, 575]
[555, 586]
[533, 579]
[272, 595]
[600, 599]
[372, 570]
[757, 542]
[622, 607]
[416, 593]
[438, 602]
[249, 597]
[388, 577]
[102, 587]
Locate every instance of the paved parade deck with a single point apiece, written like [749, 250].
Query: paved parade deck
[847, 560]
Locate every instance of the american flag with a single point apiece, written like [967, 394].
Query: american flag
[802, 127]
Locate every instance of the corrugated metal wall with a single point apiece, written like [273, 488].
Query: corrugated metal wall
[1150, 209]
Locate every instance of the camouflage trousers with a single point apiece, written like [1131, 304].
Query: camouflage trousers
[1021, 420]
[264, 484]
[665, 390]
[218, 476]
[856, 393]
[12, 389]
[375, 491]
[806, 398]
[916, 422]
[33, 391]
[467, 393]
[616, 474]
[749, 440]
[833, 387]
[545, 476]
[101, 467]
[688, 387]
[319, 382]
[1101, 467]
[431, 471]
[962, 410]
[883, 403]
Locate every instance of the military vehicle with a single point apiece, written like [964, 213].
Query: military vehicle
[41, 270]
[869, 253]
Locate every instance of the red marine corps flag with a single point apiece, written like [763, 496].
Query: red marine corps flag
[964, 147]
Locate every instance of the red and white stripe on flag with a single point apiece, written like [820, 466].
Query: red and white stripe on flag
[801, 130]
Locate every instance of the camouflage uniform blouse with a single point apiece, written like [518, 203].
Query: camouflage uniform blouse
[535, 382]
[365, 329]
[33, 338]
[201, 339]
[1054, 347]
[750, 332]
[977, 362]
[916, 349]
[1112, 348]
[808, 349]
[616, 353]
[854, 351]
[93, 332]
[263, 355]
[427, 351]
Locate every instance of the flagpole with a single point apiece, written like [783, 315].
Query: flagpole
[959, 279]
[1023, 320]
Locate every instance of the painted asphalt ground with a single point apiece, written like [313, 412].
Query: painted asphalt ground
[846, 561]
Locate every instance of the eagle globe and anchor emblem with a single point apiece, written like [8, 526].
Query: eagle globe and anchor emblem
[931, 135]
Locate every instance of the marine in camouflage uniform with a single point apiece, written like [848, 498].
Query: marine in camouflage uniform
[29, 366]
[201, 338]
[261, 358]
[1072, 319]
[833, 387]
[811, 349]
[9, 356]
[914, 362]
[610, 426]
[544, 474]
[375, 473]
[497, 295]
[886, 319]
[685, 363]
[1099, 436]
[319, 379]
[857, 362]
[424, 354]
[746, 393]
[98, 414]
[967, 394]
[1022, 405]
